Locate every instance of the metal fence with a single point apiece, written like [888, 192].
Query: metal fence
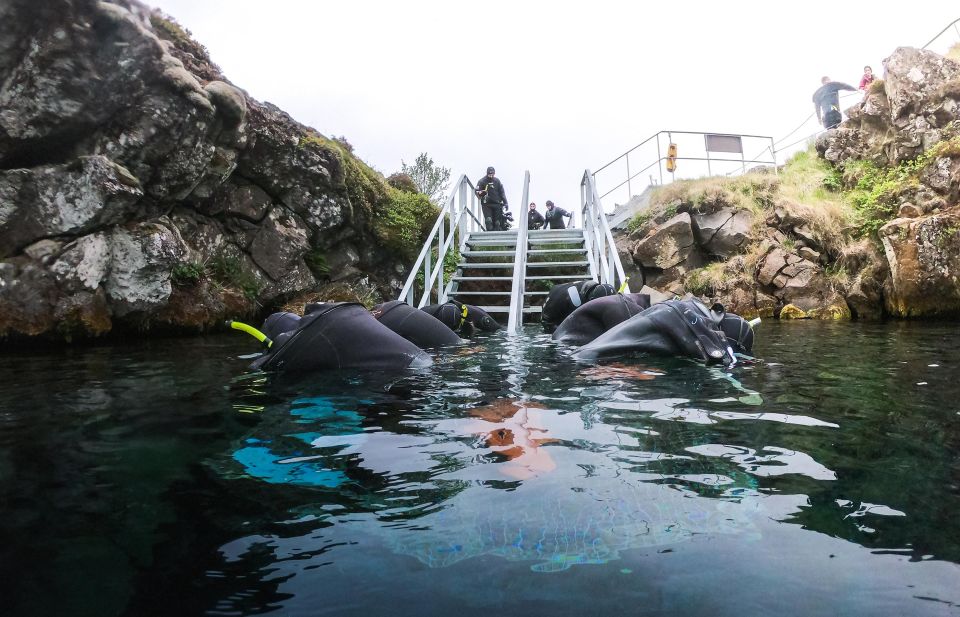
[601, 250]
[697, 154]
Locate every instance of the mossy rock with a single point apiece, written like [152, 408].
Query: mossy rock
[839, 311]
[792, 311]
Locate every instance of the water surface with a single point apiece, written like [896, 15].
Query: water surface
[158, 479]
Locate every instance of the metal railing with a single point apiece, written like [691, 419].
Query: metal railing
[459, 216]
[654, 154]
[601, 249]
[952, 24]
[515, 316]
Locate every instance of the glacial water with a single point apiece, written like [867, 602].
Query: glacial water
[156, 478]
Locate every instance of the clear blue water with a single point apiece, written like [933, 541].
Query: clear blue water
[157, 479]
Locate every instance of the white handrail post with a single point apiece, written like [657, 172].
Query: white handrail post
[441, 257]
[515, 314]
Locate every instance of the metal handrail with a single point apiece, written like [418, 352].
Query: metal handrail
[515, 316]
[460, 215]
[602, 251]
[660, 158]
[939, 34]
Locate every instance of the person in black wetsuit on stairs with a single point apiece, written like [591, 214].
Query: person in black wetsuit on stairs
[493, 200]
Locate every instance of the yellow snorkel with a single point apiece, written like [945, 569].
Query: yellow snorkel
[623, 285]
[260, 336]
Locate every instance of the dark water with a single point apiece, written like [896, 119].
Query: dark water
[155, 480]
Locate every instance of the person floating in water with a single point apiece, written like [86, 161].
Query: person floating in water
[826, 100]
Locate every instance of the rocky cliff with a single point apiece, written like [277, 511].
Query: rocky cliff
[866, 226]
[140, 189]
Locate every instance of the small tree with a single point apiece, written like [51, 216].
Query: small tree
[431, 179]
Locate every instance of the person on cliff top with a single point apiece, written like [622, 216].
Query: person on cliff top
[534, 219]
[826, 100]
[554, 216]
[493, 200]
[867, 78]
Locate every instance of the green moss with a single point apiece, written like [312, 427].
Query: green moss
[705, 281]
[229, 271]
[403, 222]
[187, 274]
[876, 86]
[167, 28]
[316, 260]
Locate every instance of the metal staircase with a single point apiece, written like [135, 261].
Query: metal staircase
[509, 273]
[485, 275]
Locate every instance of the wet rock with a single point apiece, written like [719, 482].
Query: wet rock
[924, 259]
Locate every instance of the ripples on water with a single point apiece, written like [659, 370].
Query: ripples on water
[823, 480]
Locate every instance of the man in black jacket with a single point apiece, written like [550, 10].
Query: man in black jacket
[554, 216]
[493, 200]
[534, 218]
[827, 102]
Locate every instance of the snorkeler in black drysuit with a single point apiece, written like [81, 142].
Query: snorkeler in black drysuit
[418, 327]
[564, 299]
[676, 328]
[340, 335]
[464, 319]
[595, 317]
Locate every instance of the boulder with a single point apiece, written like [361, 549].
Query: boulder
[141, 261]
[924, 258]
[58, 200]
[724, 232]
[666, 246]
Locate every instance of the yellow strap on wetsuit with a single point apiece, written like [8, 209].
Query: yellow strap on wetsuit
[260, 336]
[623, 285]
[463, 315]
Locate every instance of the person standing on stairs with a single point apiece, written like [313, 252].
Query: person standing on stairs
[493, 200]
[554, 216]
[534, 218]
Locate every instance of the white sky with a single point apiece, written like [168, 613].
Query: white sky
[551, 87]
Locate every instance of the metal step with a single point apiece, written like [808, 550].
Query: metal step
[508, 265]
[555, 241]
[552, 251]
[495, 309]
[481, 278]
[536, 293]
[529, 310]
[473, 243]
[481, 293]
[557, 264]
[556, 232]
[490, 253]
[561, 277]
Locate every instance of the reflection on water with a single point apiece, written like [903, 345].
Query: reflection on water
[823, 480]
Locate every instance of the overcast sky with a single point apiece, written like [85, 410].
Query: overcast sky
[549, 87]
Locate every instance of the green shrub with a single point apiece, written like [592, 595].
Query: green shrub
[402, 224]
[402, 182]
